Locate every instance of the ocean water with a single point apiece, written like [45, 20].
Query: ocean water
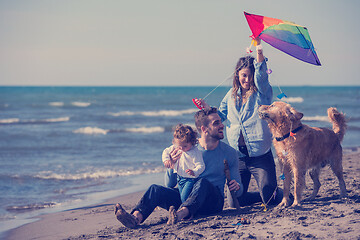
[69, 146]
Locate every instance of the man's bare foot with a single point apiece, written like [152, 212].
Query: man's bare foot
[173, 218]
[127, 219]
[183, 213]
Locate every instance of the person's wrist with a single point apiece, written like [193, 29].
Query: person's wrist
[259, 48]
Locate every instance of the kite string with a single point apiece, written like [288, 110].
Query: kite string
[278, 85]
[232, 74]
[220, 84]
[282, 94]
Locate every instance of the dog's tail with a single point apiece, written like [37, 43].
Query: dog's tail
[339, 122]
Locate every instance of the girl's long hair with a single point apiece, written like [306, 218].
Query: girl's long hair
[244, 62]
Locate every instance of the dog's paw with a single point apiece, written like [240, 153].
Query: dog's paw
[296, 204]
[284, 203]
[281, 206]
[297, 207]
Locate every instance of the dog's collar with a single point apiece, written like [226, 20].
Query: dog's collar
[288, 134]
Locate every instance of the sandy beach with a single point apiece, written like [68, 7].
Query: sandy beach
[327, 217]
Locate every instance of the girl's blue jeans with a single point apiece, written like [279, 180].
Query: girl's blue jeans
[185, 186]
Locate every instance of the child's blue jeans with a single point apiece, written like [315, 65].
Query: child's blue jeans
[185, 186]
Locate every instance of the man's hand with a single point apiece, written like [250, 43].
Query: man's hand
[204, 104]
[234, 186]
[168, 164]
[190, 172]
[175, 155]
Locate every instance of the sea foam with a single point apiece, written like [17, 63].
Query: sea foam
[53, 120]
[164, 113]
[145, 129]
[33, 121]
[91, 130]
[96, 130]
[316, 118]
[293, 99]
[49, 175]
[30, 207]
[56, 104]
[80, 104]
[9, 120]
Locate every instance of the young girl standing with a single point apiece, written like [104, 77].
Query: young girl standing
[246, 132]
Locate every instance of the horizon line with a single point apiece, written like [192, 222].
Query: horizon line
[170, 86]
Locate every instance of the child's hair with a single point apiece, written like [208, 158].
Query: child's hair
[185, 133]
[244, 62]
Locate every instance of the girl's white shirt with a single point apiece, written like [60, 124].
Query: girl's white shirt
[191, 159]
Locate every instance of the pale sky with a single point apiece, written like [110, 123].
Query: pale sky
[167, 42]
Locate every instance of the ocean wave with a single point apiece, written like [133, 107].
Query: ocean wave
[30, 207]
[145, 130]
[96, 130]
[123, 113]
[53, 120]
[293, 99]
[56, 104]
[316, 118]
[7, 217]
[81, 104]
[161, 113]
[33, 121]
[91, 131]
[9, 120]
[48, 175]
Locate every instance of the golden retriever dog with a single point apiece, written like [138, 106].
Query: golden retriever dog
[300, 148]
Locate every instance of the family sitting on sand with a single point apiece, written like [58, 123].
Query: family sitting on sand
[199, 169]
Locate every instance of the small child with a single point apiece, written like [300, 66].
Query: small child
[184, 158]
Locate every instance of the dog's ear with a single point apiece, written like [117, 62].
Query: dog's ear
[296, 114]
[293, 114]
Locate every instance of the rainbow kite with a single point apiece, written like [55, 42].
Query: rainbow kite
[286, 36]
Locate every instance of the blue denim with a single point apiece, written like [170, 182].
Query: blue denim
[170, 178]
[263, 170]
[185, 186]
[157, 195]
[205, 198]
[245, 119]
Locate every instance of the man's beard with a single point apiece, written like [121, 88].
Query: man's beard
[217, 136]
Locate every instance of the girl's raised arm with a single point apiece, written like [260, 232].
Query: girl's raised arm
[259, 52]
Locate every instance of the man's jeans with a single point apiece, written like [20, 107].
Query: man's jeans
[170, 180]
[203, 199]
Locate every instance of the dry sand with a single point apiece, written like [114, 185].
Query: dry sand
[327, 217]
